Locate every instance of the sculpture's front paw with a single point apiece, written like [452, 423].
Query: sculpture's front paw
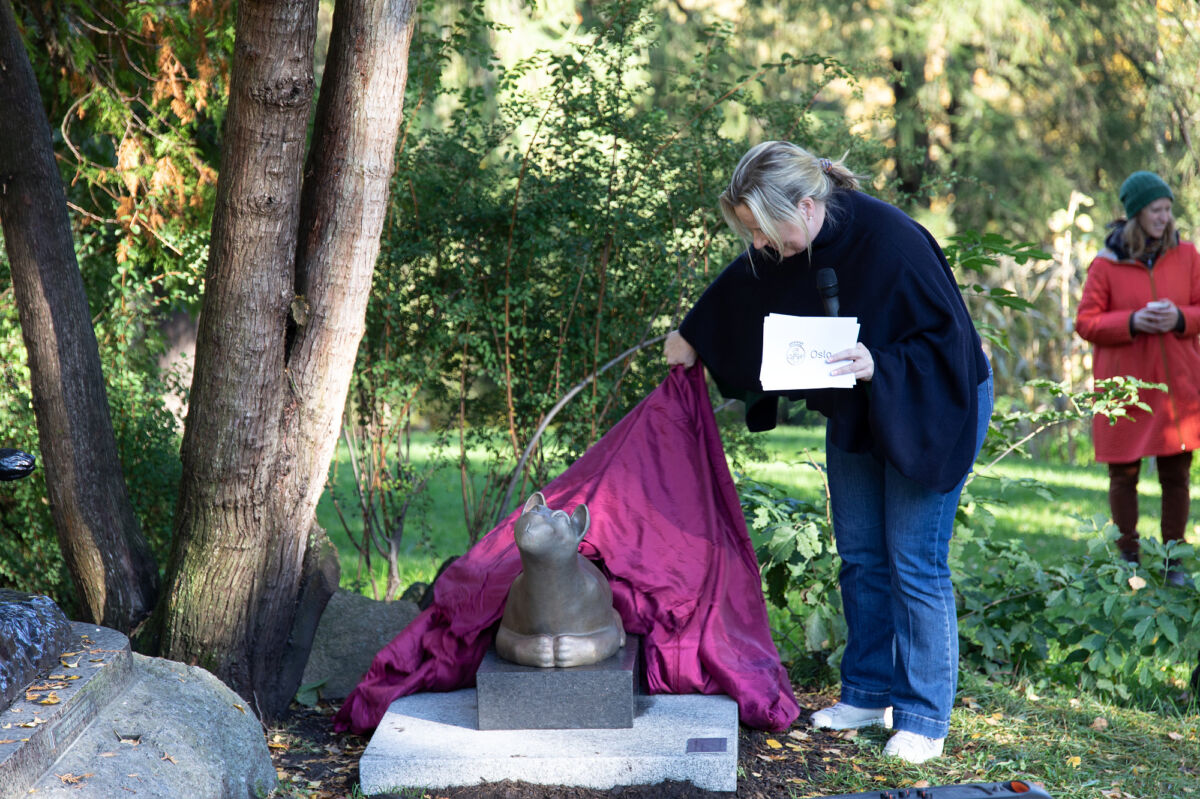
[528, 650]
[583, 650]
[539, 651]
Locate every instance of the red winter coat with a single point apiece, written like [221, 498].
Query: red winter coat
[1114, 289]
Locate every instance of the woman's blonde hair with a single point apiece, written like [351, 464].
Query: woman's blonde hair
[772, 178]
[1140, 247]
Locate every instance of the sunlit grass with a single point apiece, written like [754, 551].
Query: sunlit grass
[1077, 745]
[794, 460]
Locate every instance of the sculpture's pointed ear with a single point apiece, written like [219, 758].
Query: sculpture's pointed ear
[534, 501]
[580, 520]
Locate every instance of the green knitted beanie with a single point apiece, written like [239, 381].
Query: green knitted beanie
[1140, 189]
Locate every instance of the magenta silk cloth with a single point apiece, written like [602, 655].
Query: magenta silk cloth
[668, 532]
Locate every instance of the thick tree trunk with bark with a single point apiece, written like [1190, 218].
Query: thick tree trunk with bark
[284, 307]
[102, 543]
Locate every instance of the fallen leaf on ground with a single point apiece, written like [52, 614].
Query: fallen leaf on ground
[1074, 761]
[771, 742]
[1174, 736]
[72, 779]
[1100, 724]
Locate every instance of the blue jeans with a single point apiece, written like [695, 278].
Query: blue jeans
[893, 536]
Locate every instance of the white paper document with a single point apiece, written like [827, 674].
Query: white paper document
[795, 349]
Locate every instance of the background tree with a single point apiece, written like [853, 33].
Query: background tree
[134, 94]
[115, 573]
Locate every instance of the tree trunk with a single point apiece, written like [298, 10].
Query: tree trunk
[109, 560]
[911, 132]
[282, 318]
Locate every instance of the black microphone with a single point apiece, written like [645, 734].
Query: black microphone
[827, 288]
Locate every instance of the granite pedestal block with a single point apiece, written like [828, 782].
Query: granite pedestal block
[600, 696]
[429, 741]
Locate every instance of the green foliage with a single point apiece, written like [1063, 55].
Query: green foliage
[309, 694]
[535, 237]
[1013, 426]
[794, 543]
[1096, 621]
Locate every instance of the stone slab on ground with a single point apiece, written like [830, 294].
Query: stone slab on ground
[352, 629]
[56, 707]
[430, 741]
[600, 695]
[176, 731]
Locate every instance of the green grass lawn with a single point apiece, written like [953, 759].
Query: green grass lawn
[1048, 519]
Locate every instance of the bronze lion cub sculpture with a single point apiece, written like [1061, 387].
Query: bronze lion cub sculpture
[559, 611]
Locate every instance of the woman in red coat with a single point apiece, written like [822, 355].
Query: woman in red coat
[1141, 311]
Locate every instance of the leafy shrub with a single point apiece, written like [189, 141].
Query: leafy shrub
[1095, 621]
[794, 543]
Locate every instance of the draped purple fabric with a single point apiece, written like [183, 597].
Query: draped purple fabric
[668, 532]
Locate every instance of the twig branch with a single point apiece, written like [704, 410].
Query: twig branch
[520, 469]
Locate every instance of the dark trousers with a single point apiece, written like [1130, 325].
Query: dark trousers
[1173, 476]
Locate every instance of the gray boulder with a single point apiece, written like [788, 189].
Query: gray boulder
[352, 630]
[176, 731]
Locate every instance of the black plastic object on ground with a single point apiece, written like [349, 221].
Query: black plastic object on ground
[976, 790]
[15, 464]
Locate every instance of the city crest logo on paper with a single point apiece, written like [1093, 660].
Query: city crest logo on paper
[795, 353]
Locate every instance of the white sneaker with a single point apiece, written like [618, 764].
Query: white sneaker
[848, 717]
[913, 747]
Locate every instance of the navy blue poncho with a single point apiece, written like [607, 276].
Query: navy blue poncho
[920, 408]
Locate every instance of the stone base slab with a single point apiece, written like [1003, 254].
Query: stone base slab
[431, 741]
[599, 696]
[60, 703]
